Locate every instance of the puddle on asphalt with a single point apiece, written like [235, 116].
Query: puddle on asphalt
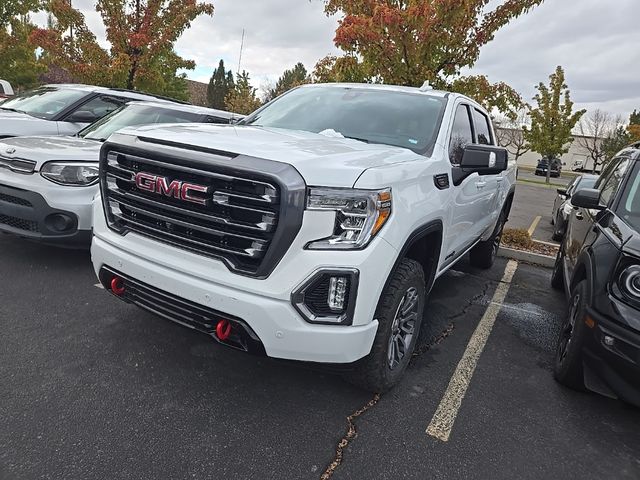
[533, 324]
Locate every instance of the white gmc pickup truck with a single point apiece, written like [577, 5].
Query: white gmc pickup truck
[314, 229]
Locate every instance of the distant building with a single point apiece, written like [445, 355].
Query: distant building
[197, 92]
[576, 154]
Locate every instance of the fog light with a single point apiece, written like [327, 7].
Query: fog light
[337, 293]
[609, 341]
[60, 222]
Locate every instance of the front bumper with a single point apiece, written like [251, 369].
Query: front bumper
[37, 209]
[265, 305]
[616, 361]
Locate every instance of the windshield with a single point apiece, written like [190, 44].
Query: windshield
[43, 102]
[373, 116]
[131, 115]
[629, 207]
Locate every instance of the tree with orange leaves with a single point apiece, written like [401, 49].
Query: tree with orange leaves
[141, 33]
[406, 42]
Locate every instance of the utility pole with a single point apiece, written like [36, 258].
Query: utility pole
[241, 48]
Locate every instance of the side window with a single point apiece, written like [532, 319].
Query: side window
[101, 105]
[483, 131]
[611, 185]
[461, 134]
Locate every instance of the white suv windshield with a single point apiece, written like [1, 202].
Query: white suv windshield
[43, 102]
[372, 115]
[132, 115]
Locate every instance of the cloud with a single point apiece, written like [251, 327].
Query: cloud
[595, 41]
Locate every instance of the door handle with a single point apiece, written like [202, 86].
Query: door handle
[499, 179]
[481, 185]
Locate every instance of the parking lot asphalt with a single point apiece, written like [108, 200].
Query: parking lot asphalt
[530, 202]
[91, 388]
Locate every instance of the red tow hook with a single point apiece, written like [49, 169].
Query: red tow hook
[223, 330]
[117, 286]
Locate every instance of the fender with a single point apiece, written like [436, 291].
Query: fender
[584, 263]
[434, 226]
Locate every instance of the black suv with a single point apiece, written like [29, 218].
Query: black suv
[543, 164]
[598, 265]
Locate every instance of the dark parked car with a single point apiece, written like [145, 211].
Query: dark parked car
[543, 165]
[562, 204]
[598, 265]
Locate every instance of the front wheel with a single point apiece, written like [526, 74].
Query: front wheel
[484, 253]
[568, 368]
[399, 315]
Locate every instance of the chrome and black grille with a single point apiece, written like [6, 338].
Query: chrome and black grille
[229, 211]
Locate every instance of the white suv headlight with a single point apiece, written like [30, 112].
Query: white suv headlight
[360, 214]
[75, 174]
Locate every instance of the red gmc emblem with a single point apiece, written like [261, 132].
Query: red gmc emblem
[148, 182]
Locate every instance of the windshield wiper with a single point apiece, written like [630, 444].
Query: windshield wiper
[357, 138]
[12, 109]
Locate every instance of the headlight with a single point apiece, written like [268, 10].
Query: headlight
[70, 173]
[629, 283]
[360, 214]
[566, 210]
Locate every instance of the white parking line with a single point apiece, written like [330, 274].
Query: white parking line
[442, 421]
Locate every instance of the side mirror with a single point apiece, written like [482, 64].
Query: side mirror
[562, 191]
[484, 159]
[587, 198]
[82, 116]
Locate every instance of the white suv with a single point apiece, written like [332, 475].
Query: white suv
[313, 230]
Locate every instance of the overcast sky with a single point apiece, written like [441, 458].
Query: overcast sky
[597, 42]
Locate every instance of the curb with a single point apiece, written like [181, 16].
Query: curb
[528, 257]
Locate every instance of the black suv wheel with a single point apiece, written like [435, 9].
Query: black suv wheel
[484, 253]
[568, 368]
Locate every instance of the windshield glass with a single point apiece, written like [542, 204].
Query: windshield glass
[373, 116]
[131, 115]
[43, 102]
[629, 207]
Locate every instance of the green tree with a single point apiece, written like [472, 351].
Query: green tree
[220, 84]
[141, 34]
[615, 141]
[634, 127]
[408, 42]
[290, 78]
[18, 61]
[242, 98]
[553, 119]
[339, 69]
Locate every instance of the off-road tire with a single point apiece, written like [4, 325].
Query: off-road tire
[567, 365]
[484, 253]
[373, 372]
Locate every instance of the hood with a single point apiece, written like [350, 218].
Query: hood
[45, 149]
[18, 123]
[322, 160]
